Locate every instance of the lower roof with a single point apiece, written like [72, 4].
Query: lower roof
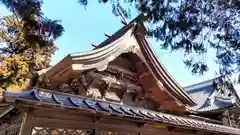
[209, 99]
[42, 97]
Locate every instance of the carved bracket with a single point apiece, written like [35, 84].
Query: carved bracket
[104, 87]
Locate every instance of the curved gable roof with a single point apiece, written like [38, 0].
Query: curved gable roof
[131, 38]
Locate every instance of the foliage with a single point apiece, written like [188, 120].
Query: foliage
[27, 41]
[193, 26]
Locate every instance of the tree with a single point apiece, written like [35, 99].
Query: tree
[193, 26]
[27, 41]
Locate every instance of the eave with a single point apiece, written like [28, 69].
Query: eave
[162, 74]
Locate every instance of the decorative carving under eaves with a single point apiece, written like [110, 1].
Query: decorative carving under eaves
[233, 121]
[113, 87]
[103, 88]
[238, 121]
[107, 86]
[111, 95]
[78, 87]
[92, 89]
[66, 88]
[94, 93]
[133, 97]
[225, 118]
[128, 98]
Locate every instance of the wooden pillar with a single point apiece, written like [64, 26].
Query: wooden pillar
[26, 126]
[96, 129]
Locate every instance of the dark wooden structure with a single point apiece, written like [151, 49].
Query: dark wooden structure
[44, 112]
[118, 88]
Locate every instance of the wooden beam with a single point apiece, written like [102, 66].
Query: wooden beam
[26, 127]
[119, 69]
[126, 74]
[49, 122]
[96, 120]
[141, 124]
[145, 74]
[205, 119]
[170, 129]
[114, 81]
[6, 111]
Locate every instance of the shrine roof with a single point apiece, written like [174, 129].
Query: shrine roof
[217, 105]
[127, 39]
[45, 98]
[200, 92]
[208, 99]
[204, 94]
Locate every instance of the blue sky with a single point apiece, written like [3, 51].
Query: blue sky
[84, 27]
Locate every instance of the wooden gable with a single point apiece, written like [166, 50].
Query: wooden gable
[124, 63]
